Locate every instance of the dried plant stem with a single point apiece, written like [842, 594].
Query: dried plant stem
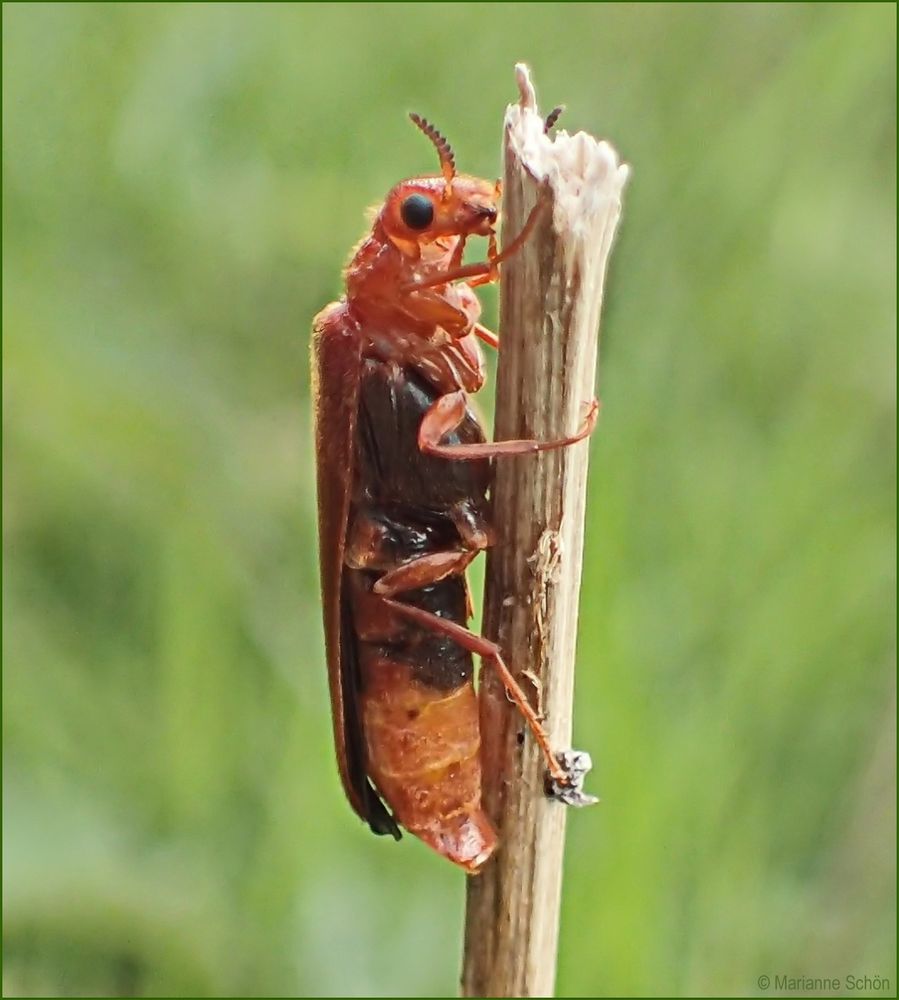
[551, 293]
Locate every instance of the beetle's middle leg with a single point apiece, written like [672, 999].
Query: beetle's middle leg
[448, 411]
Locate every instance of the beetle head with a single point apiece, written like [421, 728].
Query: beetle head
[426, 209]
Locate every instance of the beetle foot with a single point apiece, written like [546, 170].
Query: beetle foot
[570, 790]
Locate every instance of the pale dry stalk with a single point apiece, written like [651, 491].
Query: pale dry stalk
[551, 294]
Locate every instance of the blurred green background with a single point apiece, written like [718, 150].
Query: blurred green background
[182, 185]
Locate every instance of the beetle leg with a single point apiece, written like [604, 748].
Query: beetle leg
[424, 571]
[448, 411]
[474, 529]
[452, 274]
[488, 650]
[493, 273]
[489, 270]
[370, 546]
[492, 251]
[458, 253]
[487, 336]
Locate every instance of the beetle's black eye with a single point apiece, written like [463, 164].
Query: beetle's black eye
[417, 211]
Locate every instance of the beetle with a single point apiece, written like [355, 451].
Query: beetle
[404, 474]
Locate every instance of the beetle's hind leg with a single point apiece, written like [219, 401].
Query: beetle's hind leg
[369, 546]
[488, 650]
[423, 571]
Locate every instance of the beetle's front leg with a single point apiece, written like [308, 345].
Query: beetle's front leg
[485, 335]
[484, 274]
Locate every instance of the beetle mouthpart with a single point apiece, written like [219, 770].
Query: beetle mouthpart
[467, 839]
[483, 218]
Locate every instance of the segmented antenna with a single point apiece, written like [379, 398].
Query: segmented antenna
[444, 150]
[553, 117]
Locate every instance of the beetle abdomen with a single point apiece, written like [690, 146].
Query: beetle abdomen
[419, 717]
[423, 747]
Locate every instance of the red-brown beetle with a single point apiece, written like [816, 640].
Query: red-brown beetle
[403, 478]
